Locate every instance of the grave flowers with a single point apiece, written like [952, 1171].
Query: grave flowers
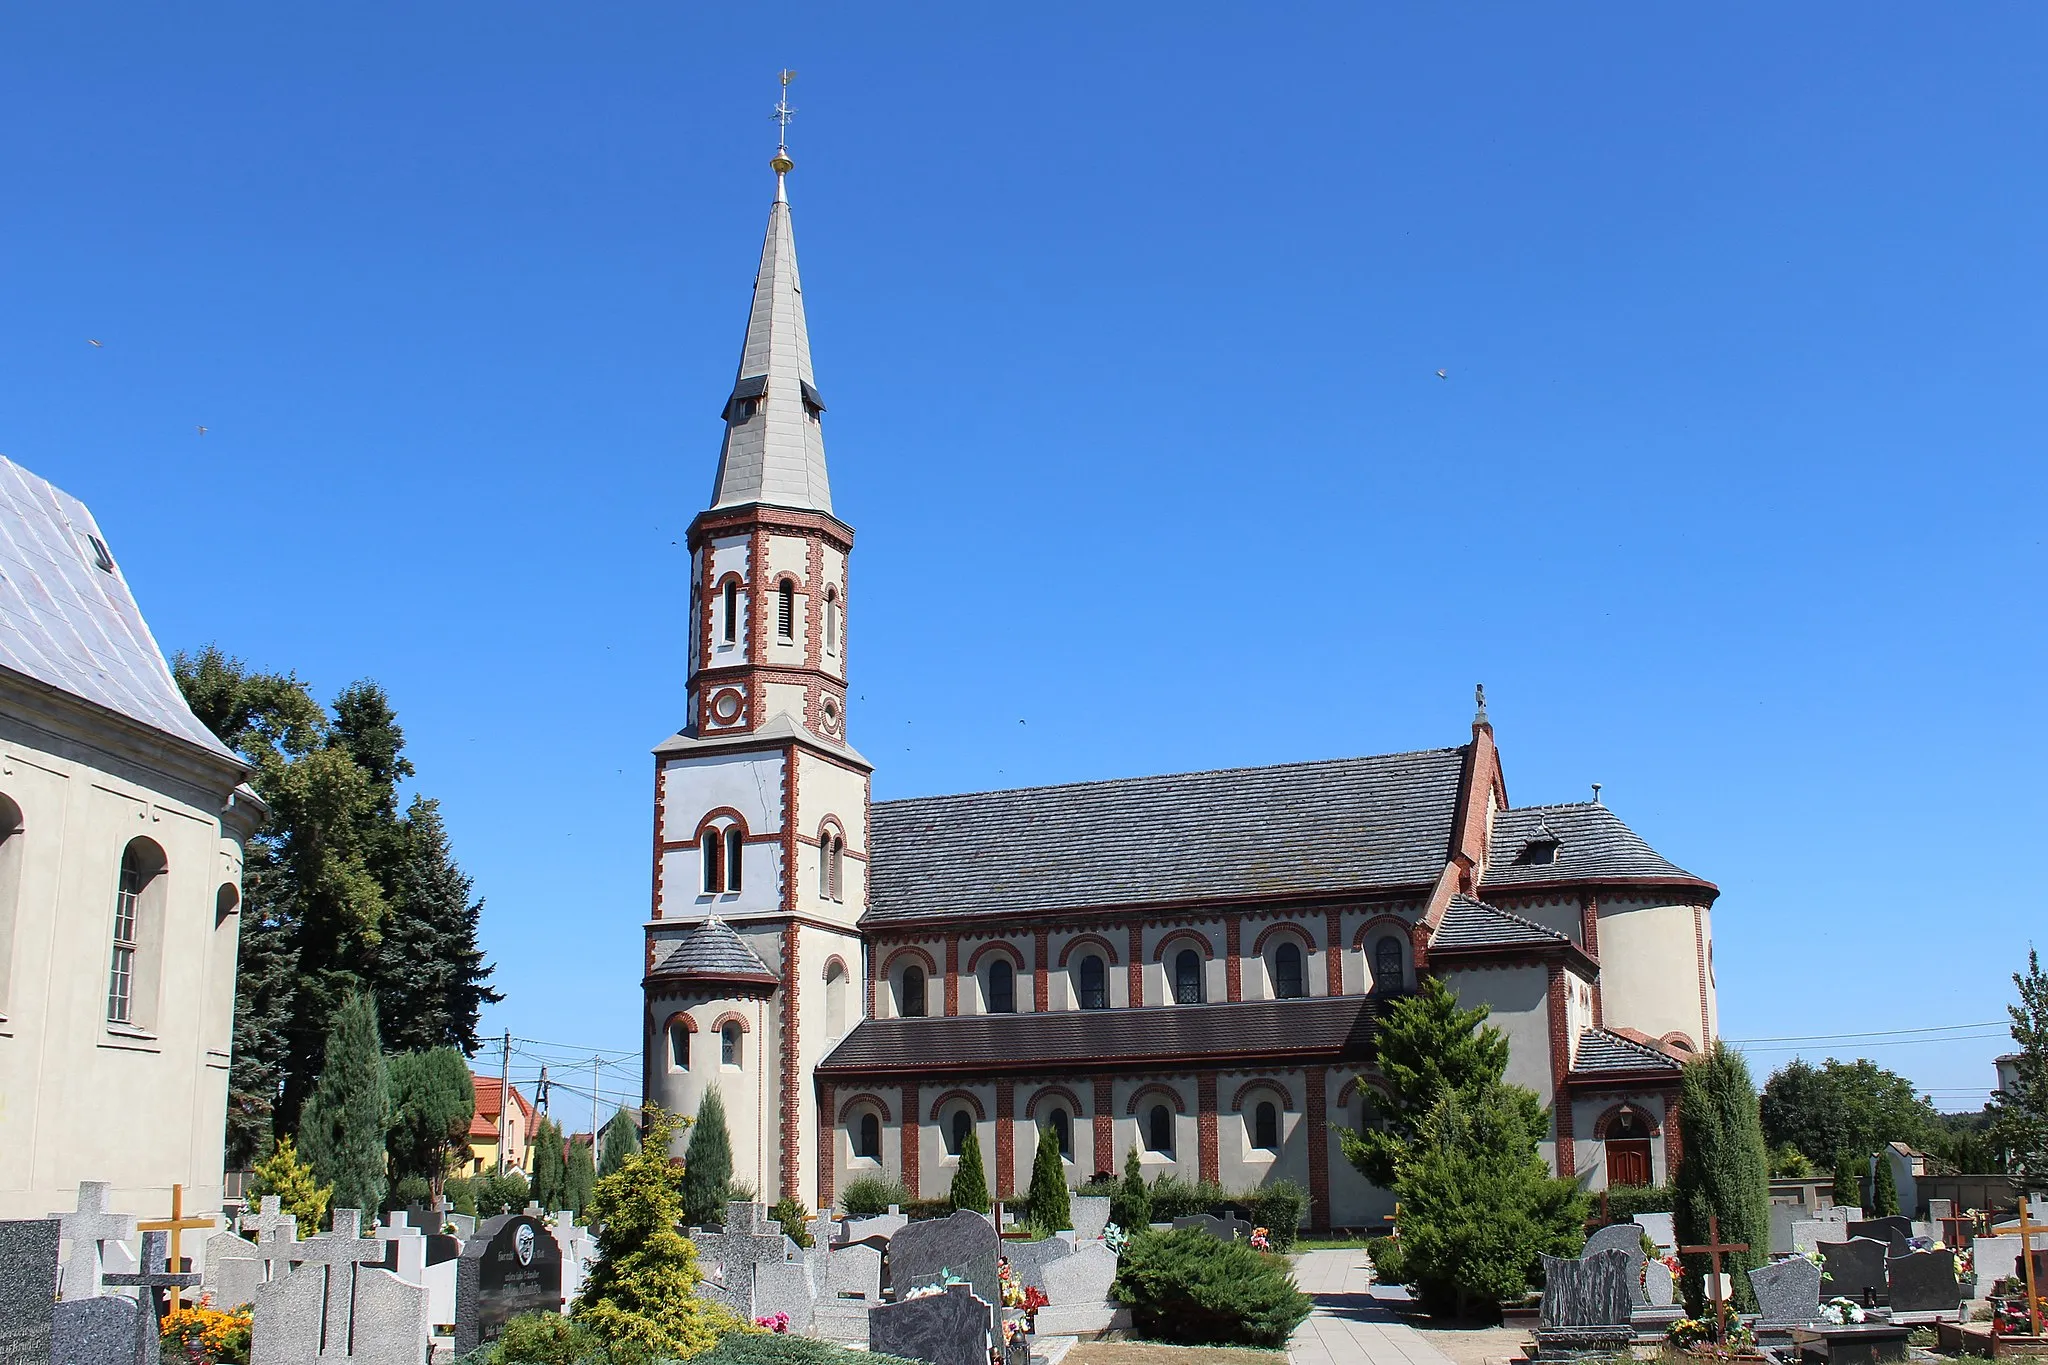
[204, 1335]
[1115, 1238]
[1260, 1241]
[774, 1322]
[1699, 1337]
[938, 1286]
[1842, 1312]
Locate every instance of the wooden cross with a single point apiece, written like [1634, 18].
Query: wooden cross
[1595, 1222]
[1956, 1227]
[1394, 1218]
[176, 1225]
[2027, 1263]
[1713, 1248]
[151, 1280]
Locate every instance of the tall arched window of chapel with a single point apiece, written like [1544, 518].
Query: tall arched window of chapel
[957, 1130]
[731, 631]
[710, 848]
[867, 1142]
[735, 845]
[785, 610]
[1159, 1130]
[1266, 1126]
[1002, 987]
[835, 863]
[138, 935]
[1388, 973]
[729, 1044]
[1288, 980]
[1063, 1133]
[1093, 983]
[12, 841]
[678, 1045]
[1187, 977]
[910, 992]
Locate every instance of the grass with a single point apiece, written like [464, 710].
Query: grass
[1331, 1243]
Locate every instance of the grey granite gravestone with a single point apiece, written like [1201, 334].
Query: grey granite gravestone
[108, 1330]
[1659, 1288]
[512, 1266]
[881, 1225]
[1924, 1283]
[1089, 1213]
[1862, 1343]
[1029, 1259]
[28, 1289]
[155, 1275]
[853, 1270]
[1787, 1294]
[1809, 1233]
[1586, 1303]
[964, 1243]
[331, 1312]
[1623, 1237]
[732, 1255]
[1078, 1286]
[1896, 1229]
[949, 1328]
[229, 1270]
[1783, 1216]
[88, 1229]
[1996, 1258]
[1222, 1229]
[1853, 1269]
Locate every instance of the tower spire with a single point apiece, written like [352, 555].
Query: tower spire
[774, 438]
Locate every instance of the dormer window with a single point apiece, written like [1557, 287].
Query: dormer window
[1540, 852]
[785, 610]
[814, 406]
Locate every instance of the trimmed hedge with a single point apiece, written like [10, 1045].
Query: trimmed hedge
[1624, 1202]
[784, 1348]
[1189, 1287]
[871, 1196]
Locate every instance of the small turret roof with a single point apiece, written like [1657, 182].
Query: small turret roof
[712, 951]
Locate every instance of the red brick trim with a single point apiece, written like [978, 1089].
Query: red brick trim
[1177, 938]
[1143, 1092]
[714, 522]
[1560, 1068]
[1105, 1129]
[858, 1098]
[792, 1040]
[930, 964]
[972, 1101]
[1606, 1120]
[828, 1144]
[1134, 982]
[1041, 983]
[1350, 1088]
[1284, 929]
[1006, 1139]
[994, 947]
[1418, 948]
[660, 807]
[732, 1017]
[907, 1141]
[1589, 924]
[1674, 1136]
[952, 974]
[1333, 956]
[1316, 1116]
[1233, 960]
[1054, 1092]
[1088, 941]
[689, 1024]
[1262, 1083]
[1207, 1164]
[1680, 1042]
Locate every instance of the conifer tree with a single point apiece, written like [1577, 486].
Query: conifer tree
[1723, 1171]
[640, 1295]
[550, 1170]
[621, 1138]
[970, 1182]
[2019, 1124]
[1884, 1187]
[1046, 1204]
[707, 1163]
[1130, 1205]
[1428, 1048]
[287, 1175]
[581, 1179]
[343, 1130]
[430, 970]
[1848, 1192]
[433, 1099]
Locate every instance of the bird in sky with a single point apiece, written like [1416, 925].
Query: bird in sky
[94, 340]
[1443, 374]
[202, 431]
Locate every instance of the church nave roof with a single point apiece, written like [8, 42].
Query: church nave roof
[1590, 844]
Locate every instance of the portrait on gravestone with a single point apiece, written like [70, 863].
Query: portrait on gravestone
[512, 1266]
[28, 1289]
[1853, 1269]
[1924, 1282]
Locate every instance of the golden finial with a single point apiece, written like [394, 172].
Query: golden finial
[783, 113]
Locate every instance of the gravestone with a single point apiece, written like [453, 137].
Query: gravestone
[1924, 1283]
[229, 1270]
[949, 1328]
[511, 1266]
[1939, 1209]
[1787, 1294]
[1660, 1289]
[579, 1252]
[88, 1229]
[1222, 1229]
[1853, 1269]
[1028, 1260]
[1089, 1213]
[109, 1330]
[1808, 1234]
[1660, 1228]
[1863, 1343]
[336, 1312]
[1623, 1237]
[964, 1243]
[1587, 1302]
[155, 1275]
[854, 1269]
[464, 1225]
[881, 1225]
[1078, 1286]
[1996, 1258]
[28, 1288]
[1896, 1229]
[735, 1256]
[1783, 1216]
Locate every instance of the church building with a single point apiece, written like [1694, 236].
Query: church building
[1191, 965]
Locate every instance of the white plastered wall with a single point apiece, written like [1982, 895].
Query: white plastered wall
[749, 783]
[1650, 969]
[729, 555]
[1519, 997]
[818, 948]
[827, 789]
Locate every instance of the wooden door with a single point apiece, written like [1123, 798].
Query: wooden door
[1628, 1161]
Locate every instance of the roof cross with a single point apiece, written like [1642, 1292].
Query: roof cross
[783, 113]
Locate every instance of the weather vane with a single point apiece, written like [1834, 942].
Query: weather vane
[783, 113]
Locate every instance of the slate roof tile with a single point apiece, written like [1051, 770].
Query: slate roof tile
[1600, 1050]
[713, 950]
[1592, 842]
[1469, 923]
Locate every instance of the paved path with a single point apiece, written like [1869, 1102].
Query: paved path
[1349, 1326]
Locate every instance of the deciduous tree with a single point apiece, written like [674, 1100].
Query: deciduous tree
[2019, 1124]
[432, 1101]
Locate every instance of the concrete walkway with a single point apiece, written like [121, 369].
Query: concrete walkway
[1349, 1326]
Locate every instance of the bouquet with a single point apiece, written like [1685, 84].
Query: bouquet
[1842, 1312]
[1260, 1241]
[778, 1322]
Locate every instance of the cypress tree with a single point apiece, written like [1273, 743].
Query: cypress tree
[550, 1174]
[432, 1102]
[1884, 1188]
[621, 1139]
[581, 1179]
[1848, 1190]
[707, 1163]
[970, 1182]
[1130, 1206]
[1046, 1205]
[1724, 1171]
[343, 1129]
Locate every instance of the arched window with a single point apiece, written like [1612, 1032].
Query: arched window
[867, 1141]
[1002, 987]
[138, 930]
[835, 1000]
[1386, 964]
[11, 842]
[835, 867]
[708, 847]
[957, 1131]
[729, 1045]
[678, 1045]
[1187, 977]
[1063, 1131]
[910, 995]
[735, 843]
[732, 611]
[1159, 1130]
[785, 610]
[1266, 1126]
[1094, 984]
[1287, 983]
[831, 620]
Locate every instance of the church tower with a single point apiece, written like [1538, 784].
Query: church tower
[760, 804]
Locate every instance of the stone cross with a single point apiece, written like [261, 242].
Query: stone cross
[277, 1239]
[343, 1249]
[270, 1218]
[1714, 1247]
[86, 1230]
[2027, 1260]
[176, 1225]
[155, 1252]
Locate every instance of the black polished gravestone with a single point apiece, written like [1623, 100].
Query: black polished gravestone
[512, 1266]
[1924, 1284]
[953, 1327]
[1853, 1270]
[1894, 1229]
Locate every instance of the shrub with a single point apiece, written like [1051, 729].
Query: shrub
[1723, 1172]
[493, 1194]
[1174, 1198]
[1884, 1188]
[461, 1194]
[793, 1215]
[917, 1210]
[1389, 1257]
[970, 1182]
[1848, 1191]
[1101, 1184]
[1277, 1208]
[707, 1165]
[289, 1176]
[783, 1348]
[1130, 1207]
[1624, 1202]
[545, 1339]
[1189, 1287]
[409, 1190]
[1047, 1203]
[870, 1196]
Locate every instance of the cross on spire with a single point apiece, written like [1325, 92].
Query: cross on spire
[783, 113]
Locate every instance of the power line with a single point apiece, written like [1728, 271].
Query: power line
[1874, 1033]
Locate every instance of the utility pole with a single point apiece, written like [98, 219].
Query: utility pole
[504, 1097]
[596, 1067]
[540, 1092]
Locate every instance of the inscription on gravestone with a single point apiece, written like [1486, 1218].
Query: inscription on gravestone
[952, 1328]
[511, 1266]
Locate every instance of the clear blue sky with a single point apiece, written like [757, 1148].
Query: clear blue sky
[1129, 318]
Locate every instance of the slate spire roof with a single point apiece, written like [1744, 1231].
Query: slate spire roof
[774, 440]
[1585, 840]
[1602, 1049]
[713, 952]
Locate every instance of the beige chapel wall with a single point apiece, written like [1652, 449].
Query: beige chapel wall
[1650, 969]
[142, 1108]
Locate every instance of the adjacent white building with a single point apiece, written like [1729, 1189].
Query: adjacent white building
[122, 821]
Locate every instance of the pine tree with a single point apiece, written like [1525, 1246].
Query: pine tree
[433, 1099]
[1046, 1204]
[1130, 1206]
[1848, 1192]
[621, 1138]
[970, 1182]
[550, 1169]
[581, 1179]
[1428, 1048]
[343, 1130]
[1723, 1171]
[286, 1174]
[2019, 1124]
[640, 1295]
[430, 972]
[707, 1163]
[1884, 1187]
